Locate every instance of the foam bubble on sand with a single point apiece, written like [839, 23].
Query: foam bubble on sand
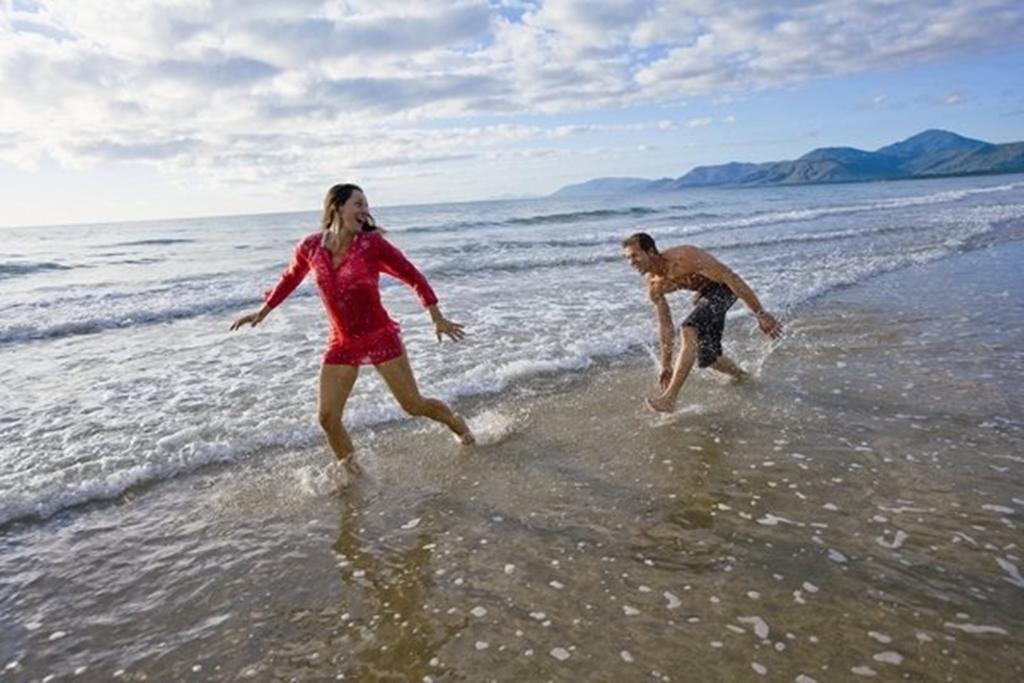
[491, 426]
[1010, 568]
[759, 668]
[478, 611]
[626, 657]
[863, 671]
[630, 611]
[761, 629]
[560, 653]
[889, 657]
[774, 520]
[836, 556]
[804, 678]
[1002, 509]
[411, 524]
[673, 601]
[897, 542]
[880, 637]
[977, 629]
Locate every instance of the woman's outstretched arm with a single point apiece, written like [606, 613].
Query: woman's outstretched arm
[393, 262]
[290, 278]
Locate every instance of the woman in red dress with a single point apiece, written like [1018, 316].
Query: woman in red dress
[347, 257]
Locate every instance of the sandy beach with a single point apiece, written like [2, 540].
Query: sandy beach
[852, 512]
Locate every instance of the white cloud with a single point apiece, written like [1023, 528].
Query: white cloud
[247, 90]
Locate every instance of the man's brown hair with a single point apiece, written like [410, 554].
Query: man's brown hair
[642, 240]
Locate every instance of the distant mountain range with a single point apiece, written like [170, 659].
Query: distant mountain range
[928, 154]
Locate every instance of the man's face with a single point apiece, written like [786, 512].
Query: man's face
[637, 257]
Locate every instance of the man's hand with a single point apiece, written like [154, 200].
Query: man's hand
[665, 378]
[769, 325]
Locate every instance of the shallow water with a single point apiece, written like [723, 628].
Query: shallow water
[852, 512]
[119, 371]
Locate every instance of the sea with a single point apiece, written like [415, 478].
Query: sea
[853, 511]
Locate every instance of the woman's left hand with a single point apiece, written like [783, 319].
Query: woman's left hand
[443, 326]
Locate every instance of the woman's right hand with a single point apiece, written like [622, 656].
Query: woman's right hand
[253, 319]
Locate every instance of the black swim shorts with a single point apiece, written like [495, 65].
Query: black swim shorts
[708, 318]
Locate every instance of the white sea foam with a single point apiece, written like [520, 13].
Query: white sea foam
[897, 541]
[761, 629]
[976, 629]
[491, 427]
[1012, 571]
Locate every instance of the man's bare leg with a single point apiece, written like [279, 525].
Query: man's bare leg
[726, 366]
[684, 363]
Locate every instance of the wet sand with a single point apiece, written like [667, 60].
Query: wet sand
[852, 512]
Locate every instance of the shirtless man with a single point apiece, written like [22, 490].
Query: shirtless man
[717, 288]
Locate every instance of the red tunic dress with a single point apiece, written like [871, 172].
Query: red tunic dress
[362, 332]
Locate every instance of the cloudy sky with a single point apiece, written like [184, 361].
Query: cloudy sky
[115, 110]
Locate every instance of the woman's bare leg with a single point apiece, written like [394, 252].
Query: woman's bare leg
[336, 382]
[398, 375]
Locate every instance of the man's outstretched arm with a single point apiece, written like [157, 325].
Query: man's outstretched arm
[666, 333]
[715, 270]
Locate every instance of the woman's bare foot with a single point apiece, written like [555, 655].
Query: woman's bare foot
[661, 404]
[464, 435]
[345, 472]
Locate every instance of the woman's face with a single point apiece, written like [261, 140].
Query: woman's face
[356, 210]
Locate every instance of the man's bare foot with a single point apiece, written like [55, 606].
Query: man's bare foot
[661, 404]
[464, 435]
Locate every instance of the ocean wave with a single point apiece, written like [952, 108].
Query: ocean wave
[194, 448]
[522, 265]
[176, 454]
[760, 219]
[568, 218]
[8, 270]
[141, 315]
[140, 261]
[815, 237]
[155, 242]
[581, 216]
